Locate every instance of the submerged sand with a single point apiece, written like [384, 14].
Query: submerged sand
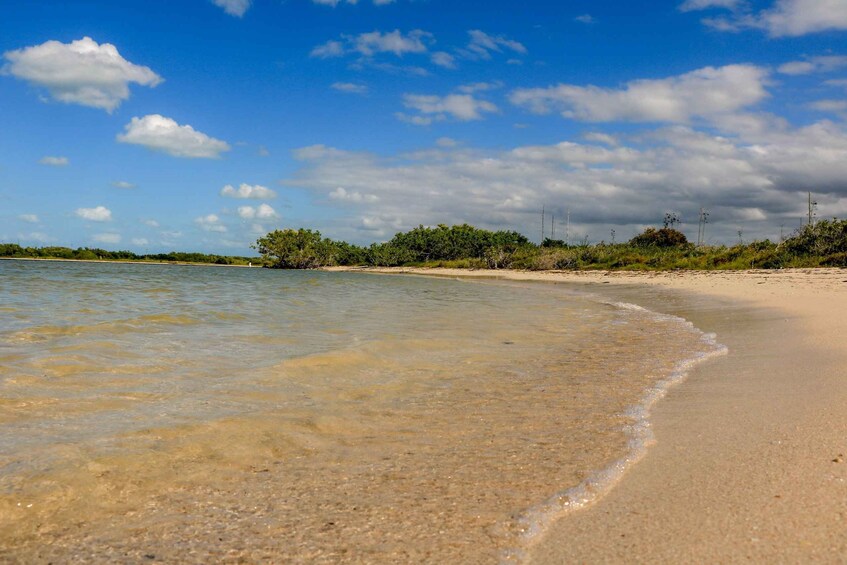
[749, 463]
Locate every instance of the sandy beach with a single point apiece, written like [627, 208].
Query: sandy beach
[749, 460]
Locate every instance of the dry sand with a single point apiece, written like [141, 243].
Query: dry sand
[750, 459]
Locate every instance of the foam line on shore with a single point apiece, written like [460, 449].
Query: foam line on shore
[536, 521]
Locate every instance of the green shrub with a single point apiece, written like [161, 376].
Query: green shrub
[665, 237]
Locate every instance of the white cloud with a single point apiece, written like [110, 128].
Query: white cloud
[833, 106]
[123, 184]
[263, 151]
[799, 17]
[329, 49]
[81, 72]
[393, 42]
[37, 236]
[350, 87]
[585, 19]
[375, 42]
[256, 192]
[234, 7]
[341, 194]
[140, 241]
[603, 138]
[443, 59]
[418, 120]
[159, 133]
[692, 5]
[335, 3]
[151, 223]
[210, 223]
[446, 142]
[702, 93]
[31, 218]
[107, 237]
[262, 212]
[481, 45]
[480, 87]
[786, 18]
[820, 64]
[751, 175]
[98, 214]
[54, 161]
[463, 107]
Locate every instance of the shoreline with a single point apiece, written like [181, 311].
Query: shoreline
[749, 459]
[175, 263]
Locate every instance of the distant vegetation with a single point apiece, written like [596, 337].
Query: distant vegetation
[93, 254]
[821, 244]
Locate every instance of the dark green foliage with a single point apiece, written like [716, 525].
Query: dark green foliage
[665, 237]
[295, 249]
[826, 237]
[87, 254]
[464, 246]
[456, 242]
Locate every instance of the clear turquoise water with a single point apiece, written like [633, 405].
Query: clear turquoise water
[442, 411]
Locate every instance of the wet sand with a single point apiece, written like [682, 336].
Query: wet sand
[749, 462]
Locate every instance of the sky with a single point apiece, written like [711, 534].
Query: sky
[201, 125]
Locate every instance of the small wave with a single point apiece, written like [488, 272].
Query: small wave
[538, 519]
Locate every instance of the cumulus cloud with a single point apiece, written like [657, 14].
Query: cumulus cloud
[30, 218]
[585, 19]
[350, 87]
[54, 161]
[151, 223]
[375, 42]
[159, 133]
[820, 64]
[785, 18]
[211, 223]
[261, 212]
[751, 176]
[702, 93]
[140, 241]
[462, 107]
[98, 214]
[81, 72]
[256, 192]
[123, 184]
[107, 237]
[235, 8]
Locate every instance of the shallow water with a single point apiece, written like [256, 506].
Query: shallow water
[198, 413]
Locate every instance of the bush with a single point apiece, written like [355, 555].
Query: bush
[665, 237]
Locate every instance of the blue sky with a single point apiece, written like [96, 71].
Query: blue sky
[203, 124]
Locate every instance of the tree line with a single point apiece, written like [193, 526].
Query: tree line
[13, 250]
[821, 244]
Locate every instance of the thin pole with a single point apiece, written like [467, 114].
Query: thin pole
[542, 225]
[568, 229]
[552, 226]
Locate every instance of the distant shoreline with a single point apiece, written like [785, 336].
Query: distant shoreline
[129, 262]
